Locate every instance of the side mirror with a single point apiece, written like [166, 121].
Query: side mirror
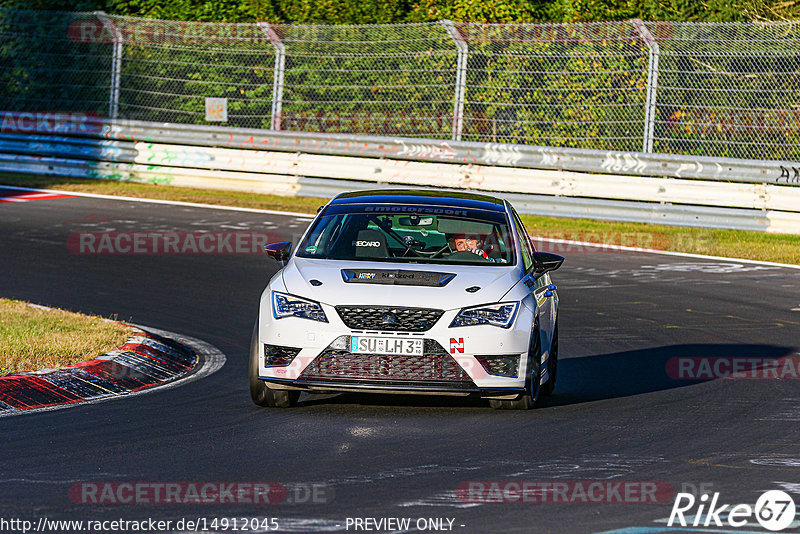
[279, 251]
[544, 262]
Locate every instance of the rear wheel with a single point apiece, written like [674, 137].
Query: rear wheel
[528, 399]
[262, 394]
[552, 364]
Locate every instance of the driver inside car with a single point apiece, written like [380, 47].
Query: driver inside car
[472, 243]
[464, 243]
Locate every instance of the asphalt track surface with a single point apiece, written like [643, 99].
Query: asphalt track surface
[616, 414]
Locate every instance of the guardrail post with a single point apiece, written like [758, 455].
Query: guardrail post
[652, 84]
[116, 65]
[461, 77]
[277, 78]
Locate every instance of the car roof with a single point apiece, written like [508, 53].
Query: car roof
[417, 196]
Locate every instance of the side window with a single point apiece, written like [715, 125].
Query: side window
[524, 242]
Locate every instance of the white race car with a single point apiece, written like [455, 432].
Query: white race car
[398, 291]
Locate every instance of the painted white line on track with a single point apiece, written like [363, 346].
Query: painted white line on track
[211, 360]
[167, 202]
[309, 216]
[614, 248]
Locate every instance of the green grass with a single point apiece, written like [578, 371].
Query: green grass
[783, 248]
[164, 192]
[33, 338]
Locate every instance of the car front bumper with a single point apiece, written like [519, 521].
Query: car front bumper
[456, 361]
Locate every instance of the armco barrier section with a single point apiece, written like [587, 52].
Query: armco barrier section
[45, 127]
[762, 198]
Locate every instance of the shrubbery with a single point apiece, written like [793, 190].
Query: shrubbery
[394, 11]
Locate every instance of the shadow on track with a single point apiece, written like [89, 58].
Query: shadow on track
[622, 374]
[585, 379]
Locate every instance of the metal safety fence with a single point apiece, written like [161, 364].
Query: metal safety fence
[722, 90]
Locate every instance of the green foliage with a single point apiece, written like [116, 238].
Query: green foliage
[330, 11]
[508, 11]
[276, 11]
[783, 10]
[393, 11]
[706, 11]
[195, 10]
[55, 5]
[594, 10]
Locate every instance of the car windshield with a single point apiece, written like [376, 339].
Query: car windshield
[410, 233]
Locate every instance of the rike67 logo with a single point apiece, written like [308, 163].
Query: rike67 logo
[774, 510]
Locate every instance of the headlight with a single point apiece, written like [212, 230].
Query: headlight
[501, 315]
[284, 305]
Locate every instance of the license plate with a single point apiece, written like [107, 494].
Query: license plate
[386, 345]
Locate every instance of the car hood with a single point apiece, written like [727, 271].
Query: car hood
[397, 284]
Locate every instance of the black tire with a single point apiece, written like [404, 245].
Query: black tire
[262, 394]
[552, 364]
[528, 399]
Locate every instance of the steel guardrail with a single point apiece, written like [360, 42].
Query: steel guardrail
[543, 180]
[447, 151]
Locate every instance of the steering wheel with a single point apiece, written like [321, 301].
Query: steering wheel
[436, 253]
[465, 255]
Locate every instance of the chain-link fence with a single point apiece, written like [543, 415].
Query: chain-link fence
[685, 88]
[42, 69]
[728, 89]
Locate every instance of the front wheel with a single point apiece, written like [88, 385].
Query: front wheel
[262, 394]
[552, 364]
[527, 400]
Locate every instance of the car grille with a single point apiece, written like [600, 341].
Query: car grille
[278, 355]
[500, 365]
[389, 318]
[434, 365]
